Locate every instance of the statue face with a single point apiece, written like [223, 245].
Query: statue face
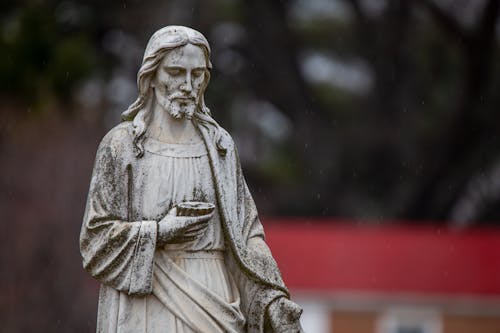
[179, 80]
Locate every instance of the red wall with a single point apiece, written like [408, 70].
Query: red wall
[333, 257]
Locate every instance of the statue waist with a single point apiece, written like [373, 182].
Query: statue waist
[200, 254]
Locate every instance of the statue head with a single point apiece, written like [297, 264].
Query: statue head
[156, 80]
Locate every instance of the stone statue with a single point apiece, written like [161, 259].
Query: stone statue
[170, 228]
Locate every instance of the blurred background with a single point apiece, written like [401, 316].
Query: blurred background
[369, 124]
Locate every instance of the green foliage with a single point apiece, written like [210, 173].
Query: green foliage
[41, 58]
[70, 64]
[338, 103]
[282, 168]
[327, 35]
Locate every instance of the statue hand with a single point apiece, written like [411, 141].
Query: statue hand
[284, 316]
[179, 229]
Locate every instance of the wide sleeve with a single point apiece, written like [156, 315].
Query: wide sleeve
[116, 251]
[253, 234]
[258, 295]
[287, 312]
[250, 261]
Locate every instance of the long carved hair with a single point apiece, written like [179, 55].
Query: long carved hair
[139, 112]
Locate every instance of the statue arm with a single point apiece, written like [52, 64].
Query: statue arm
[255, 271]
[116, 251]
[280, 314]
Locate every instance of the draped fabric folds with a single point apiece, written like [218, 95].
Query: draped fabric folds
[200, 308]
[140, 280]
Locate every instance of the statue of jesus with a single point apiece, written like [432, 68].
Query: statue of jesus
[170, 228]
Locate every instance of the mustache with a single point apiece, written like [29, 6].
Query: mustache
[182, 96]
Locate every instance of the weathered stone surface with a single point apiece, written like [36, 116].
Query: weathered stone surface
[162, 269]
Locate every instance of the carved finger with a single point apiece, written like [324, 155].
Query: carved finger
[187, 239]
[196, 233]
[202, 218]
[194, 222]
[196, 227]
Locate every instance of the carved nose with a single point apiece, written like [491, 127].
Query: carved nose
[187, 85]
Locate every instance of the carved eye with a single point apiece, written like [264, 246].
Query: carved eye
[198, 73]
[173, 71]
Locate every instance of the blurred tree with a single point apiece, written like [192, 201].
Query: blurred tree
[43, 53]
[352, 108]
[466, 132]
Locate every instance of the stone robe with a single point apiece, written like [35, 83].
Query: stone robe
[118, 239]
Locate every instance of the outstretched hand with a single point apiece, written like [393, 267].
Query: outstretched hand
[283, 316]
[179, 229]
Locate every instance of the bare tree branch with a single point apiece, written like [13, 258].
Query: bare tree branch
[486, 25]
[460, 140]
[449, 24]
[358, 10]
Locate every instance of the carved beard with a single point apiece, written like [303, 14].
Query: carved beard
[180, 108]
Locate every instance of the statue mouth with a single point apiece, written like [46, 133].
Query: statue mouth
[185, 99]
[182, 97]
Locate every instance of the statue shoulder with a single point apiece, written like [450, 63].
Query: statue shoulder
[227, 139]
[118, 139]
[216, 135]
